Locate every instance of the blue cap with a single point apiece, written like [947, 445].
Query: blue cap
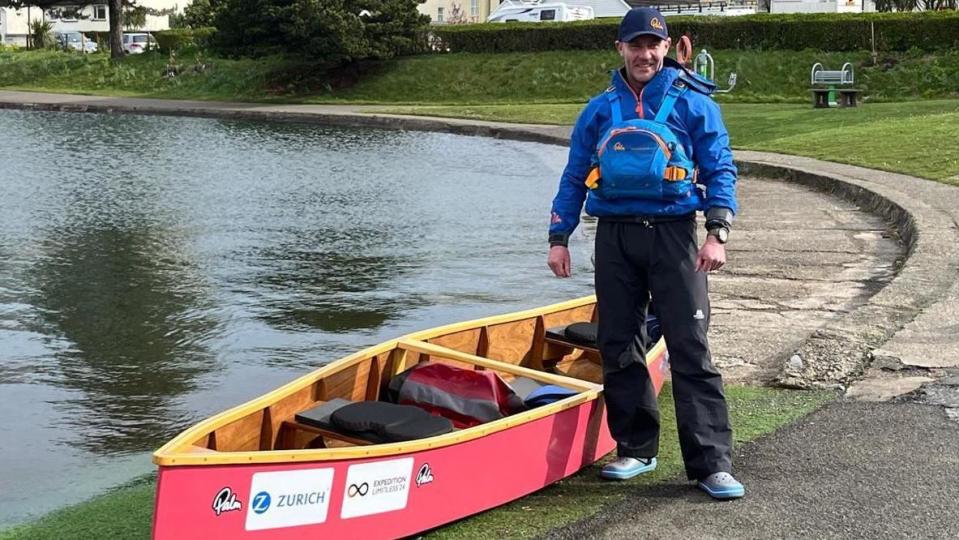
[642, 21]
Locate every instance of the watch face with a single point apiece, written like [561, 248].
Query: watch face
[721, 234]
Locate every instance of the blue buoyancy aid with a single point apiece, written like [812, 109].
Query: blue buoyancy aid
[696, 121]
[642, 158]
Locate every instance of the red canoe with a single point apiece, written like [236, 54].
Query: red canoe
[257, 471]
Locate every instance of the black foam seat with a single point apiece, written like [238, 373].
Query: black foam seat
[319, 416]
[582, 334]
[389, 422]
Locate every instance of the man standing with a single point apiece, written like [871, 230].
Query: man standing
[646, 245]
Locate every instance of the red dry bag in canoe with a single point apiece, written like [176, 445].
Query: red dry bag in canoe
[465, 396]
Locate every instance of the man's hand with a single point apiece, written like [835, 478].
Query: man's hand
[559, 261]
[712, 256]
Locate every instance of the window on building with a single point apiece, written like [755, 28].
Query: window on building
[69, 13]
[100, 13]
[64, 13]
[439, 14]
[474, 8]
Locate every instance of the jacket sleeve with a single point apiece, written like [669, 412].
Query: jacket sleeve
[568, 203]
[712, 153]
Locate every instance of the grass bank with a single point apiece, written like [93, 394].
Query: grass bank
[127, 511]
[542, 77]
[919, 138]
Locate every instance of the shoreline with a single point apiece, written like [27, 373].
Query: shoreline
[919, 208]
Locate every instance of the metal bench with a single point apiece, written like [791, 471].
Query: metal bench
[819, 75]
[827, 97]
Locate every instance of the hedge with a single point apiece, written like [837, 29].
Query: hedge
[179, 38]
[825, 31]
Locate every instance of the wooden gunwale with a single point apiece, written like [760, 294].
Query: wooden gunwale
[181, 451]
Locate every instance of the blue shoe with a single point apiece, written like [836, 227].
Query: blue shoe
[625, 468]
[722, 486]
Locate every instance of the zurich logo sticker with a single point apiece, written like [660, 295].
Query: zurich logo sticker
[261, 502]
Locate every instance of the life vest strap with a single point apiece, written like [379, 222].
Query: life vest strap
[674, 174]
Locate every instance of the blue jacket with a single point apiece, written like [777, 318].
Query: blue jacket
[695, 120]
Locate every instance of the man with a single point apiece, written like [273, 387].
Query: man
[647, 245]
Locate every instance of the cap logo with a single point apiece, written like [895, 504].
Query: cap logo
[654, 22]
[619, 147]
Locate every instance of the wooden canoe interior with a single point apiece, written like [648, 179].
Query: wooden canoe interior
[519, 342]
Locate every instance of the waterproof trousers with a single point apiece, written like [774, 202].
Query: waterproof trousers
[636, 259]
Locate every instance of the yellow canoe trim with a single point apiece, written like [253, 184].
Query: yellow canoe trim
[177, 452]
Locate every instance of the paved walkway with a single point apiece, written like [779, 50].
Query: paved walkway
[884, 328]
[851, 470]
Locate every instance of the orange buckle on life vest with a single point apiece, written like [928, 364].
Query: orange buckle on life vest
[592, 179]
[674, 174]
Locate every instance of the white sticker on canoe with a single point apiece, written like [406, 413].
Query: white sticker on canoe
[374, 488]
[289, 498]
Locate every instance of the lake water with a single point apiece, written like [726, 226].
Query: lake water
[156, 270]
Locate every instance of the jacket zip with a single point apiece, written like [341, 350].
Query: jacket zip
[639, 98]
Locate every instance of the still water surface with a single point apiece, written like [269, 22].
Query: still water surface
[156, 270]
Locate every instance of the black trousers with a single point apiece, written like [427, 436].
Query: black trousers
[633, 261]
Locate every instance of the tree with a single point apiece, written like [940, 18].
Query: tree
[116, 28]
[457, 15]
[328, 32]
[199, 14]
[41, 34]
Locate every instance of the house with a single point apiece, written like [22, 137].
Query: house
[821, 6]
[704, 7]
[15, 23]
[457, 11]
[746, 7]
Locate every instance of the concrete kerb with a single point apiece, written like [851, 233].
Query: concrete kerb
[834, 355]
[839, 353]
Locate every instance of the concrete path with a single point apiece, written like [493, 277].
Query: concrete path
[817, 294]
[852, 470]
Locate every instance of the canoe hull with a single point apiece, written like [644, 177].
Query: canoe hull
[253, 472]
[383, 497]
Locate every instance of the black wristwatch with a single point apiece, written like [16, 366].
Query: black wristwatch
[721, 234]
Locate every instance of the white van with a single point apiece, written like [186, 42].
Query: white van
[518, 11]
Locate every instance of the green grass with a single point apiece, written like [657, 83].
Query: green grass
[127, 511]
[142, 75]
[123, 513]
[541, 77]
[919, 138]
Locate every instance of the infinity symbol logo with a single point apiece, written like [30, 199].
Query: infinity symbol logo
[361, 489]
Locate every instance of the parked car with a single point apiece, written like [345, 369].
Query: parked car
[76, 41]
[138, 42]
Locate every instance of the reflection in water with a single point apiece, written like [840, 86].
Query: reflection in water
[134, 326]
[319, 290]
[156, 270]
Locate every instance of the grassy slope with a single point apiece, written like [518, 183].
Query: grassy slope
[920, 138]
[551, 86]
[543, 77]
[127, 511]
[139, 75]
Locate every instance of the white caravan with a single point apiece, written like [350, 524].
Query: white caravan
[518, 11]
